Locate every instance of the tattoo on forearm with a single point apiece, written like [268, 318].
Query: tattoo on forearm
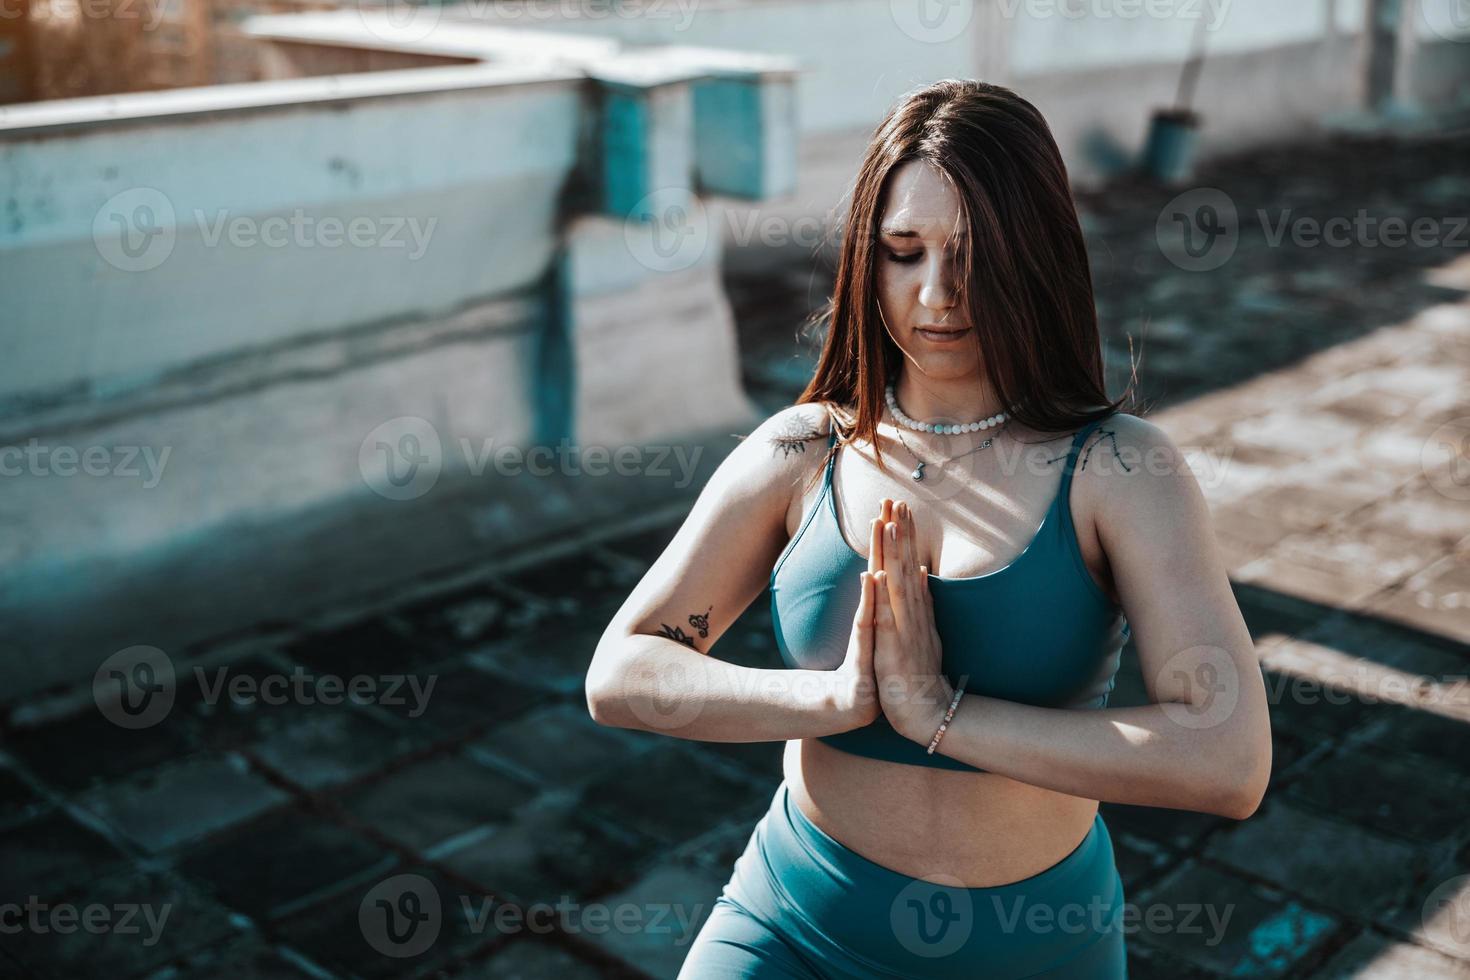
[676, 633]
[1106, 434]
[700, 621]
[794, 437]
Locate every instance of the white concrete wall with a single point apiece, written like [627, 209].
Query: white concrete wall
[230, 215]
[180, 413]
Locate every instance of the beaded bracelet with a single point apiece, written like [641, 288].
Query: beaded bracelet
[939, 733]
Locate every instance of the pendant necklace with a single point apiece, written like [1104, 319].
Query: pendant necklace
[918, 473]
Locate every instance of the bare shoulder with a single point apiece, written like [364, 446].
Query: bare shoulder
[1137, 477]
[1129, 448]
[786, 443]
[795, 429]
[773, 460]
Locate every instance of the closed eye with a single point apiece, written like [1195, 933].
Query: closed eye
[903, 258]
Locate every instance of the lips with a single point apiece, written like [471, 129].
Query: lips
[941, 336]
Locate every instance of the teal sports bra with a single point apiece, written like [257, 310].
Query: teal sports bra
[1038, 631]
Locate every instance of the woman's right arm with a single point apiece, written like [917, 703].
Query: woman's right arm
[652, 669]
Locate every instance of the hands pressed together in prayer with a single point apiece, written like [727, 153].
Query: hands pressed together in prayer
[894, 649]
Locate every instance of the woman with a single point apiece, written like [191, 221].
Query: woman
[944, 697]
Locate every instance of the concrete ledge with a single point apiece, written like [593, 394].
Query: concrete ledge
[188, 103]
[373, 28]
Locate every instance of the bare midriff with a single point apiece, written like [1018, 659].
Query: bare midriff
[965, 829]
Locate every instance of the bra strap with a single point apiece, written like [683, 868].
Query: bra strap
[831, 457]
[1077, 441]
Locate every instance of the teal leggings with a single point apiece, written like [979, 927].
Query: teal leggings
[802, 905]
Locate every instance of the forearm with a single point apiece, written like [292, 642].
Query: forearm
[1137, 755]
[659, 685]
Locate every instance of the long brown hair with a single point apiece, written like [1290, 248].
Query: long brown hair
[1026, 285]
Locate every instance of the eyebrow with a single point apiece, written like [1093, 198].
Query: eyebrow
[910, 233]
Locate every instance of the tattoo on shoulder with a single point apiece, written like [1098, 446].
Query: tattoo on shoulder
[794, 436]
[676, 633]
[1112, 436]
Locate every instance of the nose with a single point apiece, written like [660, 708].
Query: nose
[937, 292]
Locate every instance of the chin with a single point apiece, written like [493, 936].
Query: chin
[946, 366]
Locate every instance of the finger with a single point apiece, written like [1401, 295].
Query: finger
[863, 619]
[882, 609]
[875, 545]
[896, 580]
[905, 540]
[906, 521]
[915, 584]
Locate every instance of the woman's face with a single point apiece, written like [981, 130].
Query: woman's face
[918, 273]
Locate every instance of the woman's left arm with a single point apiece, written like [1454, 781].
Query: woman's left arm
[1205, 744]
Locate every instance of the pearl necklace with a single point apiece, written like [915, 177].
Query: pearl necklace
[909, 423]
